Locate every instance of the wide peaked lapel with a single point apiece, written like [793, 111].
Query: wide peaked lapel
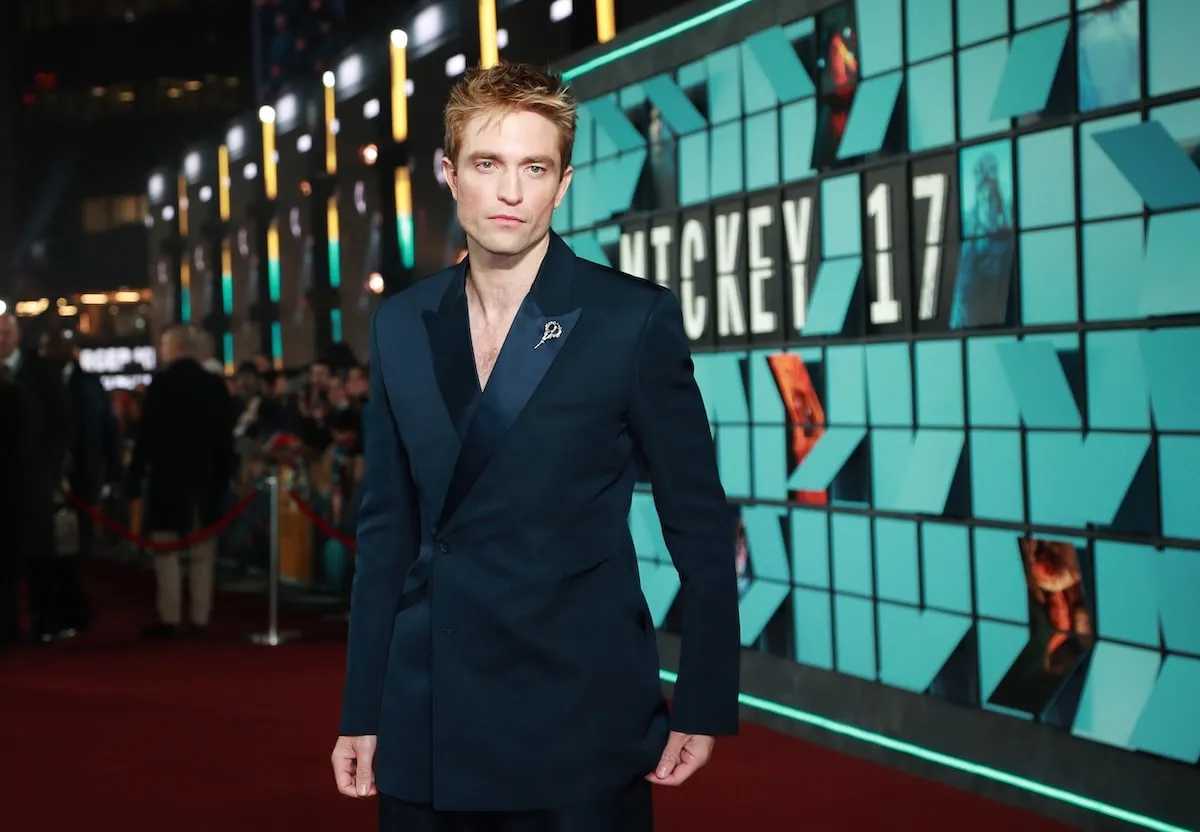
[537, 335]
[449, 330]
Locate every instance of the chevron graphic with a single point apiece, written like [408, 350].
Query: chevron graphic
[826, 459]
[999, 646]
[771, 578]
[1029, 74]
[914, 645]
[1159, 729]
[676, 109]
[1152, 161]
[613, 126]
[607, 186]
[768, 56]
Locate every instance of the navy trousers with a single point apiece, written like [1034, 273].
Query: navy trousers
[630, 810]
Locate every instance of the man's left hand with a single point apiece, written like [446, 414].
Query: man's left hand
[684, 755]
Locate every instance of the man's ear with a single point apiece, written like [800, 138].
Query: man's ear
[563, 184]
[451, 176]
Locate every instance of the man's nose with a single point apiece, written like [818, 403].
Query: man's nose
[510, 188]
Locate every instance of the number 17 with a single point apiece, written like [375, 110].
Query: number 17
[885, 309]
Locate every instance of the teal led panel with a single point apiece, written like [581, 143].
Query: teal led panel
[920, 278]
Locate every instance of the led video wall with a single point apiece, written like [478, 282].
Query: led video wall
[294, 143]
[244, 143]
[160, 223]
[358, 217]
[198, 208]
[439, 237]
[938, 266]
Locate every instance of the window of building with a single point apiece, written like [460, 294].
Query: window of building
[105, 213]
[95, 215]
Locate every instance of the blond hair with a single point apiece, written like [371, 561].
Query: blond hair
[509, 88]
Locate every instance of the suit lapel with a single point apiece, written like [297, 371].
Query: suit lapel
[541, 328]
[449, 331]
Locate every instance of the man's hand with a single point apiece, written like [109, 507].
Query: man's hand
[352, 766]
[684, 755]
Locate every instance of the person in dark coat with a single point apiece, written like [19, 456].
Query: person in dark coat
[93, 460]
[36, 478]
[182, 462]
[11, 429]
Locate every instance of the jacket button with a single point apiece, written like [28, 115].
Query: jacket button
[444, 546]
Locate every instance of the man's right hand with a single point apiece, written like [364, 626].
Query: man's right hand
[353, 759]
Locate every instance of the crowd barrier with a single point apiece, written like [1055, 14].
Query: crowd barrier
[292, 519]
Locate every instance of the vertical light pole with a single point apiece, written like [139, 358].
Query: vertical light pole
[489, 48]
[401, 184]
[606, 20]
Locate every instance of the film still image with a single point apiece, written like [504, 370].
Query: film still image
[805, 416]
[1060, 631]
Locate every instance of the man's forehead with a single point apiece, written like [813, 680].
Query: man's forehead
[499, 127]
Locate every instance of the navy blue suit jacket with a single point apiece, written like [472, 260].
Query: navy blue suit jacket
[500, 645]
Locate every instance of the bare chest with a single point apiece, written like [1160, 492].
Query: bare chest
[487, 341]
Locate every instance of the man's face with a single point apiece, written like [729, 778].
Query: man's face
[318, 375]
[168, 349]
[247, 384]
[336, 392]
[10, 336]
[508, 179]
[356, 383]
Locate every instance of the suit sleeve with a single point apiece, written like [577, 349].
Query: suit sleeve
[672, 431]
[388, 537]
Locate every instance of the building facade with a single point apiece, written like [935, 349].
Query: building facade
[104, 90]
[281, 233]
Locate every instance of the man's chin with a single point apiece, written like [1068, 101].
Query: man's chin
[506, 245]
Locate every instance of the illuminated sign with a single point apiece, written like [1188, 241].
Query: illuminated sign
[111, 360]
[772, 267]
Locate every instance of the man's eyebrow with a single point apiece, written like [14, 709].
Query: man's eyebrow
[487, 155]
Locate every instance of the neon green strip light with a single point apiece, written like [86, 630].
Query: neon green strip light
[650, 40]
[227, 339]
[276, 339]
[335, 264]
[404, 232]
[273, 278]
[227, 293]
[335, 325]
[185, 305]
[797, 715]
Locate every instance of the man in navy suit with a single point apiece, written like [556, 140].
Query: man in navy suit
[502, 671]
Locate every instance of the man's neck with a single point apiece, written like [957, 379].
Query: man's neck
[498, 285]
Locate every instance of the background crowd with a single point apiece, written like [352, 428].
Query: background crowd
[159, 468]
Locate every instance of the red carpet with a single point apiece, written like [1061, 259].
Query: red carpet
[222, 735]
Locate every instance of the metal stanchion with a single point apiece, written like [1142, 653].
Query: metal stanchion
[273, 637]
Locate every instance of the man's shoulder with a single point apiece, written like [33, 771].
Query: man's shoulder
[425, 294]
[609, 286]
